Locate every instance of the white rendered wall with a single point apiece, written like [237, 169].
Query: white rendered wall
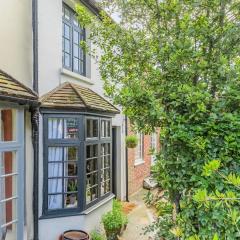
[16, 60]
[16, 39]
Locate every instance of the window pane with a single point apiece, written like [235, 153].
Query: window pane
[55, 201]
[8, 163]
[92, 165]
[92, 128]
[59, 128]
[70, 128]
[75, 51]
[76, 64]
[139, 148]
[7, 125]
[70, 200]
[66, 13]
[76, 37]
[71, 185]
[105, 187]
[66, 46]
[92, 151]
[54, 170]
[105, 174]
[105, 128]
[71, 154]
[91, 194]
[66, 31]
[92, 179]
[8, 175]
[105, 148]
[55, 154]
[55, 185]
[67, 60]
[8, 219]
[71, 169]
[105, 161]
[55, 128]
[75, 21]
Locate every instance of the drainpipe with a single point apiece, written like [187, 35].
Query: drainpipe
[126, 157]
[35, 119]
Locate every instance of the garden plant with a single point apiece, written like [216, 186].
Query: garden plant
[175, 65]
[114, 221]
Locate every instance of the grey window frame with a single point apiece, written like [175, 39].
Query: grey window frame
[82, 34]
[81, 142]
[17, 146]
[100, 125]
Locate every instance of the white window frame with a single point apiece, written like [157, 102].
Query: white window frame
[153, 146]
[17, 146]
[139, 151]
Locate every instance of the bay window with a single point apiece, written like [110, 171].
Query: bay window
[77, 162]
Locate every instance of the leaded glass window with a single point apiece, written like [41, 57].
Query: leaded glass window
[73, 55]
[78, 162]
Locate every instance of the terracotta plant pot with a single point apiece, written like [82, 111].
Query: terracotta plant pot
[75, 235]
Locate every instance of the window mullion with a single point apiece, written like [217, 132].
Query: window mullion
[99, 170]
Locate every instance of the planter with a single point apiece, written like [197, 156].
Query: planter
[75, 235]
[113, 234]
[131, 141]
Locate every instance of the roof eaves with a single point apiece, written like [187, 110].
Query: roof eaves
[92, 6]
[117, 110]
[19, 83]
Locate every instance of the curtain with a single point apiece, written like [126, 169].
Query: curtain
[55, 154]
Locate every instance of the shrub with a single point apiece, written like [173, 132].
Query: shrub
[97, 236]
[131, 141]
[114, 221]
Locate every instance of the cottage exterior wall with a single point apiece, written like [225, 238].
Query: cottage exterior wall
[52, 75]
[16, 60]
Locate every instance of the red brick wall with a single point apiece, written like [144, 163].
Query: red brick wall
[137, 173]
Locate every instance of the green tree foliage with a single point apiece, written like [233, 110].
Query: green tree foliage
[175, 64]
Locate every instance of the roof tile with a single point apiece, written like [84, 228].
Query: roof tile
[69, 95]
[10, 87]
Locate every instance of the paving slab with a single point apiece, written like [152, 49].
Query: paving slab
[139, 218]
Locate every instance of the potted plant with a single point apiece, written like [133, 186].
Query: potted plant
[131, 141]
[72, 188]
[114, 222]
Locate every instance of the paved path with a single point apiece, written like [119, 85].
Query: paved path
[138, 218]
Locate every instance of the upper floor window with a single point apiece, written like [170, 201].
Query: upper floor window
[73, 56]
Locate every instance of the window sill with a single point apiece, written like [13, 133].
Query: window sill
[99, 204]
[76, 76]
[138, 162]
[76, 213]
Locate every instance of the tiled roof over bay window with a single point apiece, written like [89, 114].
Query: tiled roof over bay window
[13, 90]
[74, 96]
